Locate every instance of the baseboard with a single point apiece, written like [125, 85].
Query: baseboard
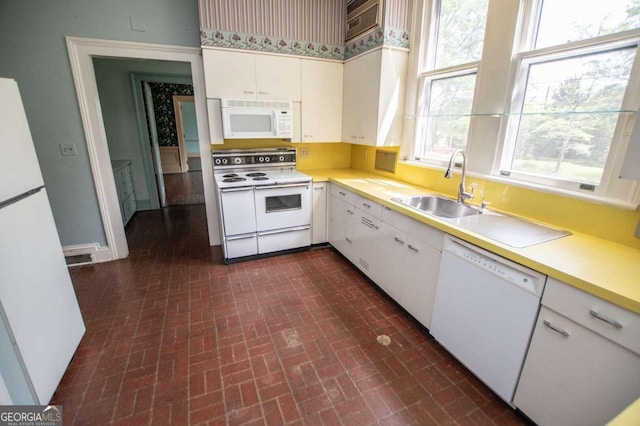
[96, 253]
[143, 205]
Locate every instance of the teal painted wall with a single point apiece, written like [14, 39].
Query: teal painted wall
[33, 51]
[118, 111]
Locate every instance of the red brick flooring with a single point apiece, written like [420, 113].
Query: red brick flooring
[176, 337]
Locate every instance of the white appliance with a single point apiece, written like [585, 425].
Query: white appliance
[249, 119]
[484, 313]
[40, 320]
[265, 203]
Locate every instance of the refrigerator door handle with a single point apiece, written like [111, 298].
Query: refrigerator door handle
[22, 196]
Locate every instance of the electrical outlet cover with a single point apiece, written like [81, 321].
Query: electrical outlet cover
[68, 149]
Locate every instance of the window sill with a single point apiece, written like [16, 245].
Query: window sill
[621, 204]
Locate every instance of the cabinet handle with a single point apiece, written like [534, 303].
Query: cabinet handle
[248, 92]
[342, 193]
[348, 239]
[398, 240]
[413, 248]
[263, 93]
[556, 329]
[307, 136]
[376, 227]
[601, 317]
[349, 211]
[318, 188]
[367, 205]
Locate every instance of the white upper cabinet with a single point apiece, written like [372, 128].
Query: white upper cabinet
[374, 98]
[240, 75]
[321, 101]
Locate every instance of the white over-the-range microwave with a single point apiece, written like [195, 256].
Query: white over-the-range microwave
[254, 119]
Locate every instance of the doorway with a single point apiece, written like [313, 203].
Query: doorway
[81, 53]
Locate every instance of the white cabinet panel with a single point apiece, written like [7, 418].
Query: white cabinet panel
[573, 376]
[373, 101]
[321, 101]
[319, 229]
[244, 75]
[341, 223]
[229, 74]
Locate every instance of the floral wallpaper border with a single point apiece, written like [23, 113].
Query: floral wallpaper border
[236, 40]
[383, 36]
[261, 43]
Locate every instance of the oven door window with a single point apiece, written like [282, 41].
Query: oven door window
[283, 203]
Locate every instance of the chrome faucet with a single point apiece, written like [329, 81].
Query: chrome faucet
[462, 194]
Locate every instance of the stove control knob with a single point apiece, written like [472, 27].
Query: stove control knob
[267, 159]
[281, 158]
[261, 159]
[237, 160]
[217, 161]
[224, 161]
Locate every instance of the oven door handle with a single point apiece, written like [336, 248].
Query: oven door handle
[241, 237]
[290, 185]
[282, 231]
[242, 188]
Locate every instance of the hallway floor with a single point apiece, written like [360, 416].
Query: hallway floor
[184, 188]
[174, 336]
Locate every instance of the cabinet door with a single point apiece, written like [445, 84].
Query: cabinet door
[321, 101]
[360, 102]
[319, 229]
[341, 226]
[420, 277]
[278, 78]
[366, 245]
[393, 252]
[573, 376]
[230, 75]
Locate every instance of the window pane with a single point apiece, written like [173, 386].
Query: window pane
[460, 32]
[446, 124]
[563, 21]
[569, 115]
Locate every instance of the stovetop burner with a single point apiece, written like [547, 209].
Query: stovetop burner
[234, 179]
[256, 174]
[230, 175]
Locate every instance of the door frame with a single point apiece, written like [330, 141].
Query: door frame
[145, 144]
[178, 100]
[81, 51]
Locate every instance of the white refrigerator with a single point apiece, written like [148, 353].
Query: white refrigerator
[40, 320]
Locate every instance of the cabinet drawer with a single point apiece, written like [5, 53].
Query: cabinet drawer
[368, 206]
[418, 230]
[605, 318]
[343, 194]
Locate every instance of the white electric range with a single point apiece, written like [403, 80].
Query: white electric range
[265, 204]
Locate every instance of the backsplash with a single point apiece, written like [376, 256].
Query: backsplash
[314, 28]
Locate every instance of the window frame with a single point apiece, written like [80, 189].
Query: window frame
[611, 189]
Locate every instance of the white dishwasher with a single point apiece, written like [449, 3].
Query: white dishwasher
[484, 312]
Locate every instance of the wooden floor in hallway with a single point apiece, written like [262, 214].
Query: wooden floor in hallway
[175, 336]
[184, 188]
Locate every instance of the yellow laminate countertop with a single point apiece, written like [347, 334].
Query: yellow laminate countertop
[603, 268]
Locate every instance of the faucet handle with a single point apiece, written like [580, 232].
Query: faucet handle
[483, 203]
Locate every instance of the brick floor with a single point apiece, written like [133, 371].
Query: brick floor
[174, 336]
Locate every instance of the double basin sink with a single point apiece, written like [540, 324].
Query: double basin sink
[509, 230]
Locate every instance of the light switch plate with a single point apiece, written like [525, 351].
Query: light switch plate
[68, 149]
[138, 24]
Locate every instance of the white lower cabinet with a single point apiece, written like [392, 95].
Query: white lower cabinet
[575, 373]
[341, 226]
[319, 217]
[400, 254]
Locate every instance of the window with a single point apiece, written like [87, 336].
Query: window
[447, 84]
[570, 101]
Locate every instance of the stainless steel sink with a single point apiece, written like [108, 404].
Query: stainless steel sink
[437, 206]
[509, 230]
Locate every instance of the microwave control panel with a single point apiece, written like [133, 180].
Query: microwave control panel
[283, 123]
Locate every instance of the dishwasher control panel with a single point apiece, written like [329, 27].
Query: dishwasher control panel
[512, 272]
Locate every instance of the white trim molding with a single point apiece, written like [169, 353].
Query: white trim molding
[97, 252]
[81, 52]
